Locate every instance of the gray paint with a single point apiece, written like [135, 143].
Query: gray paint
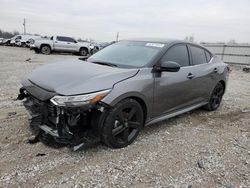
[75, 77]
[163, 93]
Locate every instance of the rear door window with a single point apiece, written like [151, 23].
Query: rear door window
[198, 55]
[65, 39]
[178, 54]
[59, 38]
[69, 39]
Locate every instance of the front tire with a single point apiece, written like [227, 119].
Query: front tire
[215, 98]
[123, 124]
[45, 49]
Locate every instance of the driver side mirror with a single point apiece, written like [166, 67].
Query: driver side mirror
[168, 66]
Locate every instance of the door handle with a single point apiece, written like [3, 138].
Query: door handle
[190, 76]
[68, 43]
[56, 42]
[215, 70]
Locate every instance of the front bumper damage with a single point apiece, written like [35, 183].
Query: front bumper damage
[73, 127]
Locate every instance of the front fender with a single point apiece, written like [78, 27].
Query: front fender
[139, 86]
[86, 47]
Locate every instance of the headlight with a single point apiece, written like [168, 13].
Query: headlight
[79, 100]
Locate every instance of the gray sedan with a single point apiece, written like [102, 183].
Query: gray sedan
[113, 94]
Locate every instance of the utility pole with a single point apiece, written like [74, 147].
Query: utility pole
[117, 36]
[24, 26]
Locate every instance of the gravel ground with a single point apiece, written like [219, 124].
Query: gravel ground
[197, 149]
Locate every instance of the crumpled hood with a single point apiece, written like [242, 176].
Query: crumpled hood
[74, 77]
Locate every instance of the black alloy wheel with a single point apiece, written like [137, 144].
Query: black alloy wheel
[216, 97]
[123, 124]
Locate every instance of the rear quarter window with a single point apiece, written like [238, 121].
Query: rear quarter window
[198, 55]
[208, 56]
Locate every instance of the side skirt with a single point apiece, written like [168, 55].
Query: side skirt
[175, 113]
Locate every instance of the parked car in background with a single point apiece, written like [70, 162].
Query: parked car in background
[1, 40]
[94, 47]
[6, 42]
[22, 40]
[120, 89]
[32, 39]
[60, 44]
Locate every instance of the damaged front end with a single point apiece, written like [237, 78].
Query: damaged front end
[72, 121]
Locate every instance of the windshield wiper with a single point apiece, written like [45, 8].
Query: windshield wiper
[104, 63]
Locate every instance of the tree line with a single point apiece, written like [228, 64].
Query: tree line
[6, 34]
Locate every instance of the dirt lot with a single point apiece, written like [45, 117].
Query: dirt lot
[199, 149]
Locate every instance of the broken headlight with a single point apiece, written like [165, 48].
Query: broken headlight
[79, 100]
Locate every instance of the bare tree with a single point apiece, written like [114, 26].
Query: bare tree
[5, 34]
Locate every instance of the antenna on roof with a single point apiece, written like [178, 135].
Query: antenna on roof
[24, 26]
[117, 36]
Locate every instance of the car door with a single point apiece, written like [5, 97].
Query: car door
[203, 70]
[62, 44]
[71, 44]
[59, 43]
[174, 90]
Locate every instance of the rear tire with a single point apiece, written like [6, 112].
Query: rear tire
[215, 98]
[83, 52]
[123, 124]
[45, 49]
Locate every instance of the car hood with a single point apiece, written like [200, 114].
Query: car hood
[74, 77]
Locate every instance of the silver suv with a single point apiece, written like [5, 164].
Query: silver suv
[114, 93]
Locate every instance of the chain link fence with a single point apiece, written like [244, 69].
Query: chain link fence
[231, 54]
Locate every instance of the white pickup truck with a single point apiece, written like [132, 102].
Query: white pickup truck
[61, 44]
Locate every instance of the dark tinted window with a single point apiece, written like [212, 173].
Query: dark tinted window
[68, 39]
[198, 55]
[60, 38]
[178, 54]
[208, 55]
[65, 39]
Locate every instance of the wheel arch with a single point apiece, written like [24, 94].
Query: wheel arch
[44, 44]
[84, 47]
[143, 105]
[110, 104]
[140, 98]
[223, 83]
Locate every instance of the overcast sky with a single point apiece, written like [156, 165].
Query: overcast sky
[207, 20]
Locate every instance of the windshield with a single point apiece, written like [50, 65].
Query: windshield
[127, 54]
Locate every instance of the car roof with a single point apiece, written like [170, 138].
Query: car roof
[158, 40]
[165, 41]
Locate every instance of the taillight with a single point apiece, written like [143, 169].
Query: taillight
[229, 69]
